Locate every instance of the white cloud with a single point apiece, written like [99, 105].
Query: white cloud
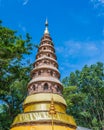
[75, 54]
[25, 2]
[69, 48]
[76, 48]
[102, 1]
[82, 50]
[98, 3]
[23, 28]
[91, 47]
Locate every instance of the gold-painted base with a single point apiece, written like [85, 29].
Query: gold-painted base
[26, 118]
[42, 127]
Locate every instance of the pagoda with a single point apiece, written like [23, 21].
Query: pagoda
[44, 108]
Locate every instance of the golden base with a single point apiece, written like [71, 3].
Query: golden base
[42, 127]
[43, 116]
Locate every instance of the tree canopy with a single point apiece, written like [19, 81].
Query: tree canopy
[84, 93]
[14, 74]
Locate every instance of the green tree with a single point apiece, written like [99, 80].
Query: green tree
[89, 110]
[14, 74]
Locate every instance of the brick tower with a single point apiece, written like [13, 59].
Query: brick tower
[44, 107]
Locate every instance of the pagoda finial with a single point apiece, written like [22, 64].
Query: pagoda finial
[52, 111]
[46, 27]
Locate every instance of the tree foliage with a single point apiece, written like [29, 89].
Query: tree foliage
[14, 75]
[87, 101]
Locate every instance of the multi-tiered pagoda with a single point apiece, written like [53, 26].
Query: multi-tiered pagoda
[44, 107]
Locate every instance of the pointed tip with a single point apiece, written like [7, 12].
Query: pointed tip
[46, 27]
[46, 23]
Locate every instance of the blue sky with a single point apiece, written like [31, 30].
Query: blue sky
[76, 27]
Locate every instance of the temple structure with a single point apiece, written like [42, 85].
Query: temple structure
[44, 107]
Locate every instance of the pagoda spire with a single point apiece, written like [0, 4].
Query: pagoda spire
[46, 27]
[44, 107]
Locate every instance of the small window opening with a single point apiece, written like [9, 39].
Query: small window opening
[58, 89]
[39, 73]
[48, 55]
[45, 62]
[45, 86]
[34, 88]
[51, 73]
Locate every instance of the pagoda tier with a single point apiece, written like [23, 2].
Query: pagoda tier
[44, 86]
[45, 74]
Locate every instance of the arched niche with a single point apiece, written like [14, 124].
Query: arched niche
[45, 86]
